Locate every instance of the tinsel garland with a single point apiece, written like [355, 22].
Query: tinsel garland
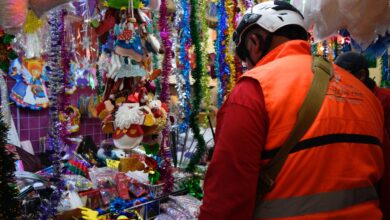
[9, 205]
[197, 88]
[100, 85]
[205, 80]
[65, 98]
[183, 85]
[325, 52]
[5, 109]
[247, 3]
[166, 171]
[221, 67]
[155, 60]
[385, 82]
[230, 8]
[55, 89]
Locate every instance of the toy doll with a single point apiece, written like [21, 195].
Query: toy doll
[29, 90]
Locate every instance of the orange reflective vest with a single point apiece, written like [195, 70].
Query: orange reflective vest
[332, 172]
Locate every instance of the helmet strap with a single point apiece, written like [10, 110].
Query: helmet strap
[267, 44]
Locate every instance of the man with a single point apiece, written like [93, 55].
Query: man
[356, 64]
[332, 172]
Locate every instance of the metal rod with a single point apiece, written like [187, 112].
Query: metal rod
[211, 127]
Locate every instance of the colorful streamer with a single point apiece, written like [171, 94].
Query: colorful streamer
[247, 4]
[197, 88]
[205, 80]
[230, 10]
[55, 88]
[221, 67]
[184, 68]
[164, 95]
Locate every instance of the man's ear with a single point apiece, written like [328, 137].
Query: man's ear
[253, 43]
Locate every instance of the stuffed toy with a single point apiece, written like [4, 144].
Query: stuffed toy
[129, 119]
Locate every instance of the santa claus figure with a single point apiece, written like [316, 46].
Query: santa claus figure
[129, 119]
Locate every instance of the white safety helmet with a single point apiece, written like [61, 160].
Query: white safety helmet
[271, 16]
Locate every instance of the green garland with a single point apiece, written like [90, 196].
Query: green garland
[8, 191]
[155, 57]
[197, 95]
[205, 81]
[6, 52]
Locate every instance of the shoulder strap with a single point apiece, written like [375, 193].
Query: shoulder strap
[323, 73]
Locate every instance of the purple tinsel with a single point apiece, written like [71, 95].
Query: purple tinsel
[55, 89]
[166, 172]
[248, 4]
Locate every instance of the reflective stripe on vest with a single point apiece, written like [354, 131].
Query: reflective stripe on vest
[315, 203]
[324, 140]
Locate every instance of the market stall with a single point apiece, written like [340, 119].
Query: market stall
[108, 106]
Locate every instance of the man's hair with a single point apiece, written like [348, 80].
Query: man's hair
[352, 62]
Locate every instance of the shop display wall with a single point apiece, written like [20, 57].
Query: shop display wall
[32, 125]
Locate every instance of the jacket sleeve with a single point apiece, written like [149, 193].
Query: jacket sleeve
[384, 192]
[231, 180]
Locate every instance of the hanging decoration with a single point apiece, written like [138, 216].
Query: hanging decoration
[155, 57]
[31, 40]
[56, 88]
[13, 136]
[184, 61]
[230, 8]
[205, 80]
[247, 4]
[9, 206]
[328, 16]
[197, 88]
[14, 12]
[166, 172]
[30, 89]
[221, 67]
[385, 82]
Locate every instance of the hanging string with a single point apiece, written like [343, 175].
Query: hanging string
[197, 88]
[221, 67]
[166, 171]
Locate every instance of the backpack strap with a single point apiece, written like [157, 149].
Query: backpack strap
[323, 73]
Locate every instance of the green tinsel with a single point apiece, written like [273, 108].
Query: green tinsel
[193, 187]
[100, 86]
[197, 88]
[8, 191]
[155, 56]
